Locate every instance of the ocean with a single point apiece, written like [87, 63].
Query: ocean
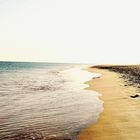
[45, 101]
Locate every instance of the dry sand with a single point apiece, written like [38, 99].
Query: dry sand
[120, 119]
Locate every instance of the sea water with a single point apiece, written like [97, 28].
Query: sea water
[45, 101]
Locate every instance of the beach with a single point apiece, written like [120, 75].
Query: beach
[120, 118]
[47, 101]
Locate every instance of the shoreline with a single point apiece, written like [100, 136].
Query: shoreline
[120, 118]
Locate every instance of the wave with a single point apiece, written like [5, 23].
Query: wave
[46, 104]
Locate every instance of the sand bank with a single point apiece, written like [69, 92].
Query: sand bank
[120, 119]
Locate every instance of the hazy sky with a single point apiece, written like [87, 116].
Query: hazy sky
[88, 31]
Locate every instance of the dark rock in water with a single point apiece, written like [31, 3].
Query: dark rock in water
[134, 96]
[96, 77]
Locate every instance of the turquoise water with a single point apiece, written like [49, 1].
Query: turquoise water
[15, 66]
[45, 101]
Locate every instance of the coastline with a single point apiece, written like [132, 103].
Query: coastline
[120, 118]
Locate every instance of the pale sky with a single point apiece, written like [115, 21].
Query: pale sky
[84, 31]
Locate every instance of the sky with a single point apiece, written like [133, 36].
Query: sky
[75, 31]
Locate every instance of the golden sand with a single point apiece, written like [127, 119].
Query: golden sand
[120, 119]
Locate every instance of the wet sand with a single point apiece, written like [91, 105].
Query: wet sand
[120, 119]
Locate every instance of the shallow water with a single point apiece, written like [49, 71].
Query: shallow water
[45, 102]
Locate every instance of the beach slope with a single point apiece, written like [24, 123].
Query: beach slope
[120, 118]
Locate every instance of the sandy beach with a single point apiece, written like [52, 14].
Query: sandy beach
[120, 118]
